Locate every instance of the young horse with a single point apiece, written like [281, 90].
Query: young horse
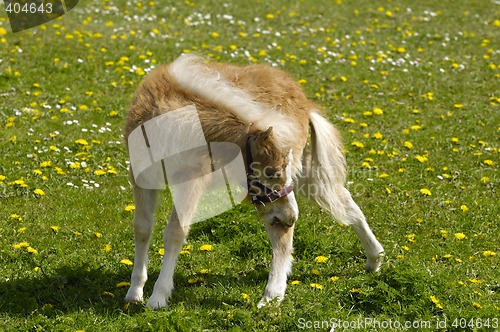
[264, 112]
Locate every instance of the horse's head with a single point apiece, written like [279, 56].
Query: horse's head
[270, 179]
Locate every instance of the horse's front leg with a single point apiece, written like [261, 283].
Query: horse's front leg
[281, 238]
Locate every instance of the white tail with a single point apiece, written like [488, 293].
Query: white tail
[326, 174]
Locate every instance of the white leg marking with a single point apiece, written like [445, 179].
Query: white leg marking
[357, 220]
[281, 265]
[174, 237]
[145, 202]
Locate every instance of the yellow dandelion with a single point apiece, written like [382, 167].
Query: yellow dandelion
[476, 305]
[130, 208]
[444, 233]
[436, 301]
[195, 280]
[334, 278]
[123, 284]
[488, 162]
[295, 282]
[489, 253]
[316, 285]
[410, 237]
[20, 245]
[81, 141]
[245, 296]
[206, 247]
[476, 281]
[321, 259]
[107, 248]
[422, 159]
[460, 236]
[39, 192]
[126, 262]
[32, 250]
[425, 191]
[161, 251]
[378, 111]
[54, 228]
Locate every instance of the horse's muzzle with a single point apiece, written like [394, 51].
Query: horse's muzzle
[286, 222]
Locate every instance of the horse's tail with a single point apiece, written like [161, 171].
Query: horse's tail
[326, 172]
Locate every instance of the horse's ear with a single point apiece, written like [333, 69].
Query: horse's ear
[266, 134]
[261, 136]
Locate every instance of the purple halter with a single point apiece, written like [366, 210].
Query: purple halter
[264, 194]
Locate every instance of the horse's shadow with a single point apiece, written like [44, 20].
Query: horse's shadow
[75, 288]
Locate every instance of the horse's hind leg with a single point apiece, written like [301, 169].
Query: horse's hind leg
[145, 203]
[356, 219]
[173, 239]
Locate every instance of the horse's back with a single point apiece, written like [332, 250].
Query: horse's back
[159, 92]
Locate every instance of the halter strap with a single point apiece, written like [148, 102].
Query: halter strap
[264, 194]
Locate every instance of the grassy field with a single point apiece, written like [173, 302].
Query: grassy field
[414, 87]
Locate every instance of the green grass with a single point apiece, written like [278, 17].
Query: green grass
[433, 68]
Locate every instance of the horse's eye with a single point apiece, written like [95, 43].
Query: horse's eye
[269, 173]
[272, 174]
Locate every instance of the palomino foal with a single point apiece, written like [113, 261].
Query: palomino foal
[266, 114]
